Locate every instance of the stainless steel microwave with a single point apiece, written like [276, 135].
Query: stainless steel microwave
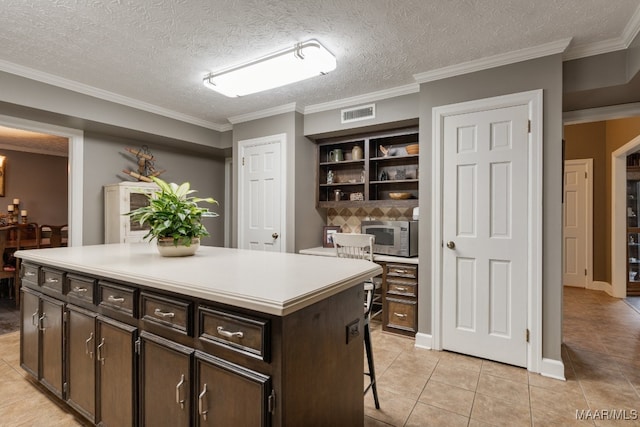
[398, 238]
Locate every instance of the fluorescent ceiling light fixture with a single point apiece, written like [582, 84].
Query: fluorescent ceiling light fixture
[302, 61]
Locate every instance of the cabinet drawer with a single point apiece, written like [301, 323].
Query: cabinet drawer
[166, 312]
[402, 314]
[30, 275]
[237, 332]
[80, 288]
[402, 270]
[402, 287]
[53, 280]
[116, 298]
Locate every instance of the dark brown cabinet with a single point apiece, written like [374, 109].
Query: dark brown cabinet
[29, 332]
[400, 298]
[115, 353]
[165, 382]
[217, 407]
[51, 345]
[81, 357]
[42, 340]
[122, 354]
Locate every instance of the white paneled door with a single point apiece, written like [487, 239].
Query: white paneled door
[260, 195]
[576, 217]
[485, 234]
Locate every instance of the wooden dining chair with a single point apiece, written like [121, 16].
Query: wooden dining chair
[53, 236]
[360, 246]
[27, 237]
[8, 272]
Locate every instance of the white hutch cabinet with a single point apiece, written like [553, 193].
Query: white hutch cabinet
[119, 199]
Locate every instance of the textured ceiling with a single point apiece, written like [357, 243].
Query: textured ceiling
[22, 140]
[157, 51]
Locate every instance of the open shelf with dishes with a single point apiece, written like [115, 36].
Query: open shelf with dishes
[367, 170]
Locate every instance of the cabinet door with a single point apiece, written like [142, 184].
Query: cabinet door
[116, 373]
[165, 382]
[30, 312]
[229, 394]
[51, 335]
[81, 356]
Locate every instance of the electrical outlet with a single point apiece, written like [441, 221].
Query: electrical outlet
[353, 330]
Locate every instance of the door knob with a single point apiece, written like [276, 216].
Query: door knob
[451, 245]
[275, 235]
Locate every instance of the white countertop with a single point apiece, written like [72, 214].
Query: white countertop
[320, 251]
[273, 283]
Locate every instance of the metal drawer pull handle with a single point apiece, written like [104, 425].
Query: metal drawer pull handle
[99, 355]
[86, 346]
[178, 387]
[201, 409]
[29, 273]
[79, 289]
[228, 334]
[400, 315]
[51, 280]
[41, 322]
[400, 271]
[161, 313]
[401, 289]
[115, 299]
[33, 318]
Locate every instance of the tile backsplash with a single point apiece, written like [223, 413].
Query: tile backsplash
[349, 219]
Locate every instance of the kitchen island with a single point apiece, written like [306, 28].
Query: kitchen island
[226, 337]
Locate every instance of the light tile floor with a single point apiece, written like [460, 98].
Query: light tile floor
[419, 387]
[601, 354]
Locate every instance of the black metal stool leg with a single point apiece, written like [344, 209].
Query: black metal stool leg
[372, 371]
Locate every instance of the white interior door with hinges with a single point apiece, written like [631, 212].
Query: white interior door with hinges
[485, 234]
[576, 223]
[261, 194]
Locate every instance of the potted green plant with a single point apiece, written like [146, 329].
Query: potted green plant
[174, 218]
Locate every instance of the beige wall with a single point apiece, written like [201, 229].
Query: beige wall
[599, 140]
[40, 182]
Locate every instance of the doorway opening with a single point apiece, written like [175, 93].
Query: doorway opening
[75, 144]
[620, 239]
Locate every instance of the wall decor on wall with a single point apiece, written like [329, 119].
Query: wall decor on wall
[146, 165]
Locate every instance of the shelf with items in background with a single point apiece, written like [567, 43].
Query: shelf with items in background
[386, 174]
[633, 225]
[633, 261]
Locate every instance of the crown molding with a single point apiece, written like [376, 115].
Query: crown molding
[286, 108]
[632, 28]
[363, 99]
[591, 49]
[599, 114]
[488, 62]
[629, 33]
[71, 85]
[225, 127]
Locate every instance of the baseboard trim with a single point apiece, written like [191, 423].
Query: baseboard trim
[601, 286]
[424, 341]
[552, 368]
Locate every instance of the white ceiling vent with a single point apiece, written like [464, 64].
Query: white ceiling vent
[363, 112]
